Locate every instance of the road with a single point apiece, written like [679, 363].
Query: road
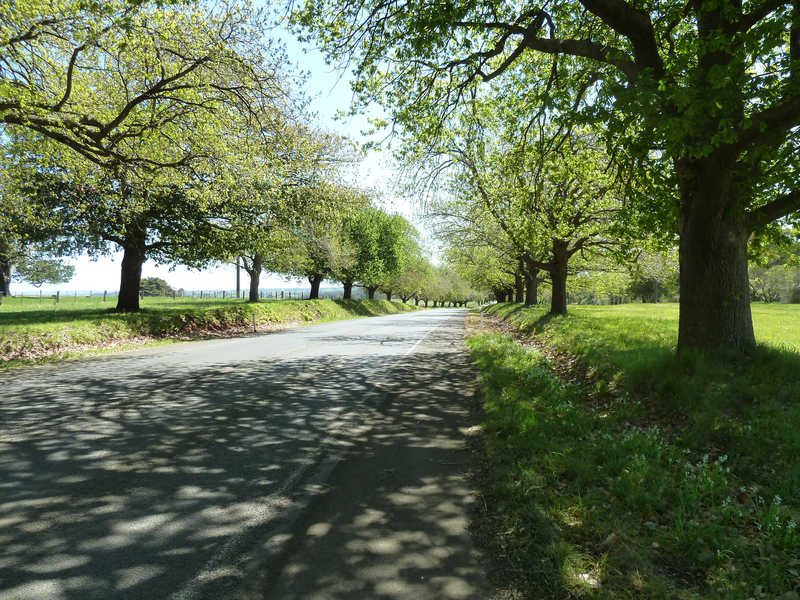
[320, 462]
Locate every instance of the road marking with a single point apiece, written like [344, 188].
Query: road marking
[420, 340]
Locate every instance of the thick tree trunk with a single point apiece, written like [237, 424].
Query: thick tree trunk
[254, 272]
[315, 281]
[348, 289]
[388, 295]
[371, 292]
[531, 287]
[131, 278]
[416, 301]
[558, 277]
[714, 284]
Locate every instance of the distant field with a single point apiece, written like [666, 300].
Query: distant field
[620, 469]
[29, 331]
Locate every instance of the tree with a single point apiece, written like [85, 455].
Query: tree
[380, 244]
[547, 188]
[156, 286]
[166, 223]
[150, 99]
[114, 81]
[701, 101]
[38, 268]
[319, 248]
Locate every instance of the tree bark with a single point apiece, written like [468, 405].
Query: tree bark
[714, 284]
[371, 292]
[416, 301]
[558, 277]
[5, 278]
[531, 286]
[133, 258]
[388, 295]
[256, 266]
[315, 281]
[348, 289]
[519, 287]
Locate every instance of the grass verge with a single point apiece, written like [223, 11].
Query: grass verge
[621, 470]
[30, 336]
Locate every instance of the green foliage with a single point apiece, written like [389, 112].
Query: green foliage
[651, 459]
[38, 268]
[697, 104]
[381, 245]
[147, 84]
[155, 286]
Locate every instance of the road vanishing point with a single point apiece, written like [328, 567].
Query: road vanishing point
[320, 462]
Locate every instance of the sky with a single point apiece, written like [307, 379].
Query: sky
[330, 92]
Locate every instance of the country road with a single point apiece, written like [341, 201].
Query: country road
[319, 462]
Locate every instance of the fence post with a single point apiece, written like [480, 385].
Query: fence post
[105, 295]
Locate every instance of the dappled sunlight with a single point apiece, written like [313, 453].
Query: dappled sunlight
[399, 531]
[123, 477]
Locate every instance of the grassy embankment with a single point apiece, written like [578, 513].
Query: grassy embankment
[618, 469]
[29, 333]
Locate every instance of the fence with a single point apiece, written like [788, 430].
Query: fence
[99, 297]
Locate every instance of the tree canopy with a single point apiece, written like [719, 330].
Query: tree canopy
[698, 103]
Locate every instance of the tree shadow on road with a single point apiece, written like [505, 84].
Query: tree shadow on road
[119, 484]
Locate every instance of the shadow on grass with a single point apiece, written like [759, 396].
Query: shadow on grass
[743, 410]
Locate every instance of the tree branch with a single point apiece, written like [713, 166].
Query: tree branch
[780, 207]
[634, 24]
[770, 123]
[754, 16]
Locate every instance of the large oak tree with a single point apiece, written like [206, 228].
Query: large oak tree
[702, 99]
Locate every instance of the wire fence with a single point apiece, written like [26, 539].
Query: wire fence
[87, 298]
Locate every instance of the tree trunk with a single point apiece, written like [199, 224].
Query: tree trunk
[519, 287]
[416, 301]
[5, 278]
[388, 295]
[348, 289]
[714, 284]
[531, 286]
[371, 292]
[426, 304]
[254, 272]
[558, 277]
[131, 278]
[314, 280]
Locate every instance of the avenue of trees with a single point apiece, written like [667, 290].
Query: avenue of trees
[176, 132]
[682, 124]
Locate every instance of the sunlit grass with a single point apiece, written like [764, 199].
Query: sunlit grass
[656, 476]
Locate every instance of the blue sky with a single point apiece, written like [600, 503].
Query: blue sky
[330, 92]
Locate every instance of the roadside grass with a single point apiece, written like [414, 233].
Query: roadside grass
[30, 335]
[622, 470]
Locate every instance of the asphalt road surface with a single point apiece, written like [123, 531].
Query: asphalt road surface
[322, 462]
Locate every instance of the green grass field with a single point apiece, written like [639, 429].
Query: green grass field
[622, 470]
[29, 332]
